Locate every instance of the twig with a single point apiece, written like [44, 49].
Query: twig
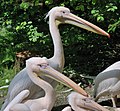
[4, 87]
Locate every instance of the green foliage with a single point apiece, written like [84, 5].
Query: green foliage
[112, 27]
[111, 7]
[6, 76]
[24, 5]
[6, 44]
[31, 31]
[98, 15]
[80, 7]
[48, 2]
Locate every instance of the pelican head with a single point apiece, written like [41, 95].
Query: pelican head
[40, 67]
[79, 102]
[63, 15]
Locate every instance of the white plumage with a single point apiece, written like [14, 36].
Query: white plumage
[107, 83]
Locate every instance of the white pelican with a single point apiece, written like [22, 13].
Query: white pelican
[79, 102]
[107, 83]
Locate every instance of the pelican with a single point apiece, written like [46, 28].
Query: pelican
[107, 83]
[36, 67]
[79, 102]
[57, 15]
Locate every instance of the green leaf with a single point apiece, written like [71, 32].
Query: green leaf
[24, 5]
[37, 2]
[94, 2]
[7, 58]
[100, 18]
[23, 23]
[30, 22]
[93, 11]
[11, 1]
[115, 7]
[47, 2]
[17, 28]
[81, 7]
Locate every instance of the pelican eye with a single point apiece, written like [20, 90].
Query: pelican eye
[88, 100]
[43, 65]
[40, 65]
[63, 12]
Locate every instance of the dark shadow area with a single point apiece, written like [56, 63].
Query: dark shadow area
[60, 107]
[109, 103]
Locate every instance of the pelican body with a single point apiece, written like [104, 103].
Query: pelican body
[57, 15]
[36, 67]
[107, 83]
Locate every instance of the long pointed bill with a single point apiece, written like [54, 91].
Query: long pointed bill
[79, 22]
[52, 73]
[89, 104]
